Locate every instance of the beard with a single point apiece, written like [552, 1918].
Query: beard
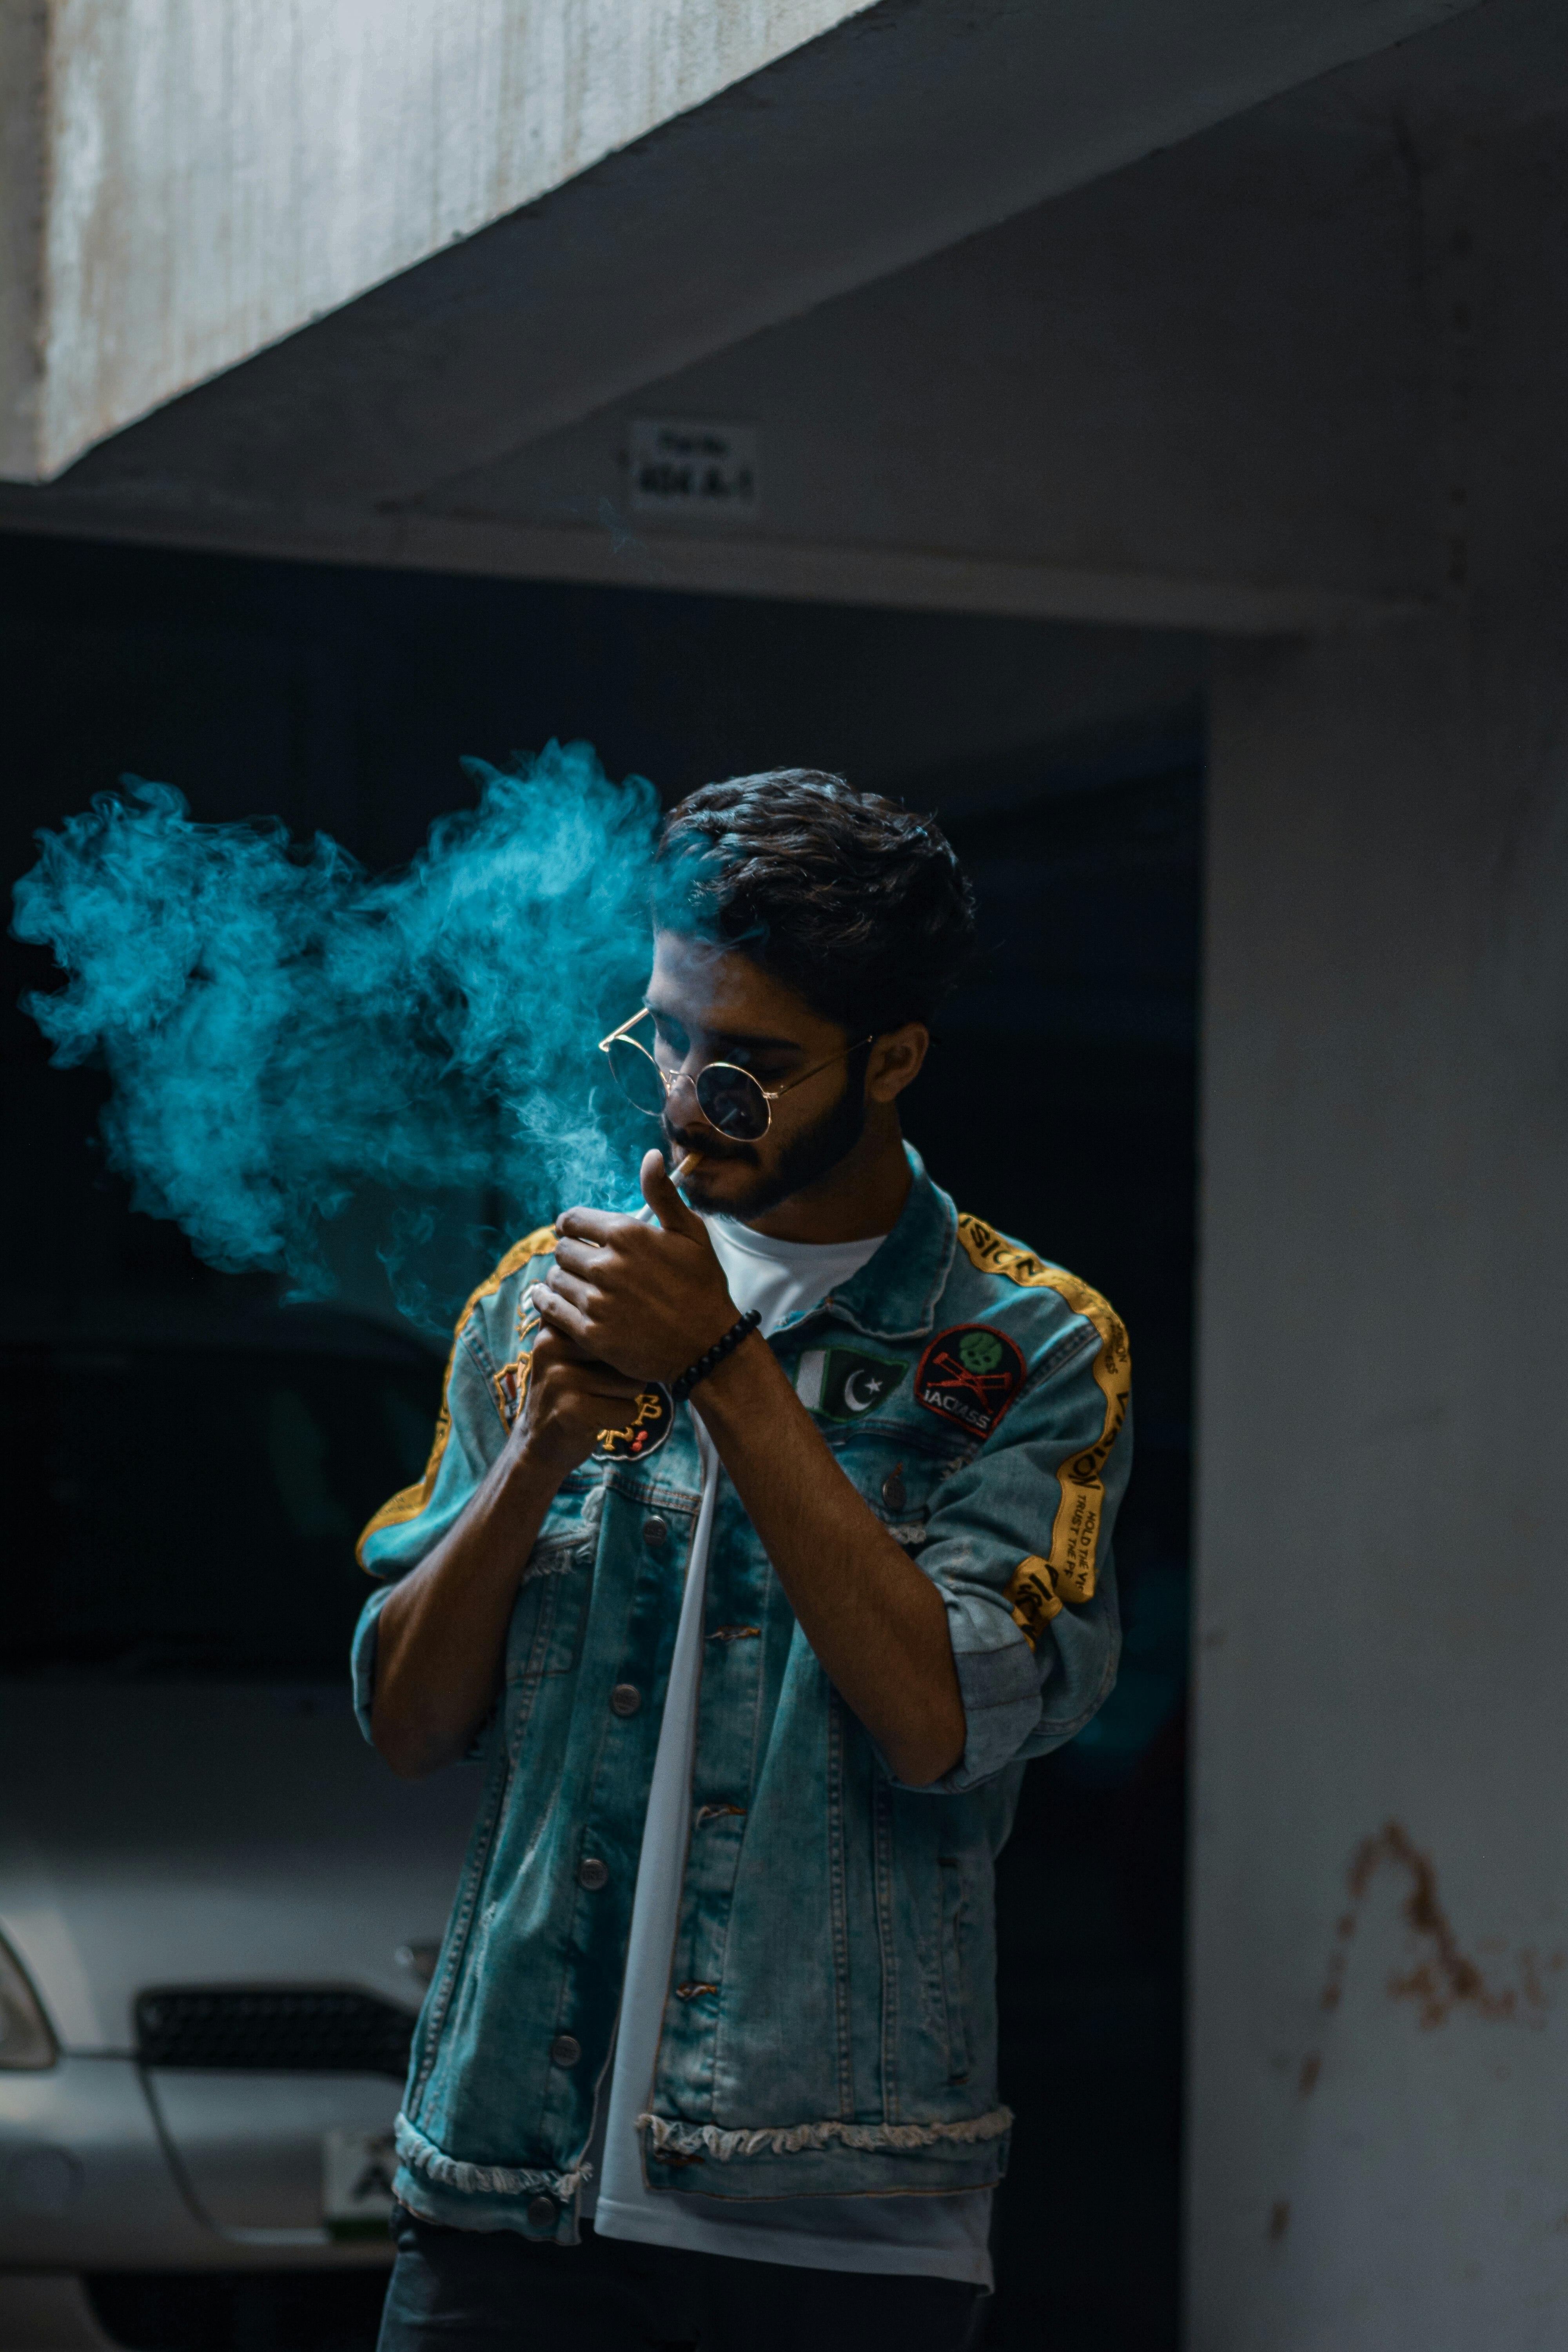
[804, 1161]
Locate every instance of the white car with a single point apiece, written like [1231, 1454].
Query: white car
[217, 1906]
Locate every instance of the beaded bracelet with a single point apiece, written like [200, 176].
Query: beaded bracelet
[682, 1388]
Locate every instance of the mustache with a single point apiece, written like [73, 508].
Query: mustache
[708, 1143]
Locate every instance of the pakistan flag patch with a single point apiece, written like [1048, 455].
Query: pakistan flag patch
[845, 1383]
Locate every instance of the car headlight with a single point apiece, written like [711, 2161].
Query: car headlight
[25, 2036]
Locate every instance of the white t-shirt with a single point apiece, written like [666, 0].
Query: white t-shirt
[942, 2237]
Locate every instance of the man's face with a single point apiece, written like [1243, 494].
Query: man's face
[713, 1006]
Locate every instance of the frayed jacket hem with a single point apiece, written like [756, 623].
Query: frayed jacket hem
[790, 2139]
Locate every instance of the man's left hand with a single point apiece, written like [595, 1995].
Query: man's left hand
[648, 1299]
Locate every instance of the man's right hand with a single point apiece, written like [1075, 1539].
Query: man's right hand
[571, 1398]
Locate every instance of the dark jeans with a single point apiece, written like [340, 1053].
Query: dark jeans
[491, 2290]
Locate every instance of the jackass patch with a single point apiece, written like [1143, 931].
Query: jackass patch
[845, 1383]
[970, 1375]
[653, 1418]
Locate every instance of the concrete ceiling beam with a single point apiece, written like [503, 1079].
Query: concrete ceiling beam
[513, 212]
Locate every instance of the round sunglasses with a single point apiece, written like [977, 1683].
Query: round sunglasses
[729, 1098]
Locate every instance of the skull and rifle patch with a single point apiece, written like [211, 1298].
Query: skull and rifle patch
[970, 1374]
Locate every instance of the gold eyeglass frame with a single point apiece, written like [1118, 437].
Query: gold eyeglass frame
[671, 1079]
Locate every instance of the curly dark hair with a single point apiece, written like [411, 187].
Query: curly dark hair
[854, 901]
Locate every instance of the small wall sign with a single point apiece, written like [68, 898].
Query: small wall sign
[687, 465]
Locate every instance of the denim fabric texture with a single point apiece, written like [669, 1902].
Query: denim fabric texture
[831, 2027]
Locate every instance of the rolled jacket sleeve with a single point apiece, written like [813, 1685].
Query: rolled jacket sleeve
[1019, 1548]
[469, 1434]
[362, 1660]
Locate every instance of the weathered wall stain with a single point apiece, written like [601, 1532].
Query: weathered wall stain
[1444, 1978]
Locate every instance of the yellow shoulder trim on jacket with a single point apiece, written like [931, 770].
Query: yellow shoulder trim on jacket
[409, 1501]
[1039, 1587]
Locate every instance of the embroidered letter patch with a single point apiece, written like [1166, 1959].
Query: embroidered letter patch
[653, 1418]
[845, 1383]
[970, 1375]
[511, 1385]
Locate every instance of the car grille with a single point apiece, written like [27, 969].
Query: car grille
[295, 2030]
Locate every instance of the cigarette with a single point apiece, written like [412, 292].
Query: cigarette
[682, 1167]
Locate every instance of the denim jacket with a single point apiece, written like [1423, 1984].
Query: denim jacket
[831, 2023]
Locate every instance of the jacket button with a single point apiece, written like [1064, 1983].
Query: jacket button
[656, 1532]
[893, 1493]
[542, 2212]
[624, 1699]
[593, 1874]
[565, 2050]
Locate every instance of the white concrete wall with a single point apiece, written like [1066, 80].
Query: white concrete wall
[1380, 2113]
[214, 174]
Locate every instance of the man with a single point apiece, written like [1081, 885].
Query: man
[764, 1536]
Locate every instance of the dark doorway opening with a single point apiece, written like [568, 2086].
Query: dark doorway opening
[1059, 1106]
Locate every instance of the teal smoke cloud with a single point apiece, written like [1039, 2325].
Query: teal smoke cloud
[283, 1030]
